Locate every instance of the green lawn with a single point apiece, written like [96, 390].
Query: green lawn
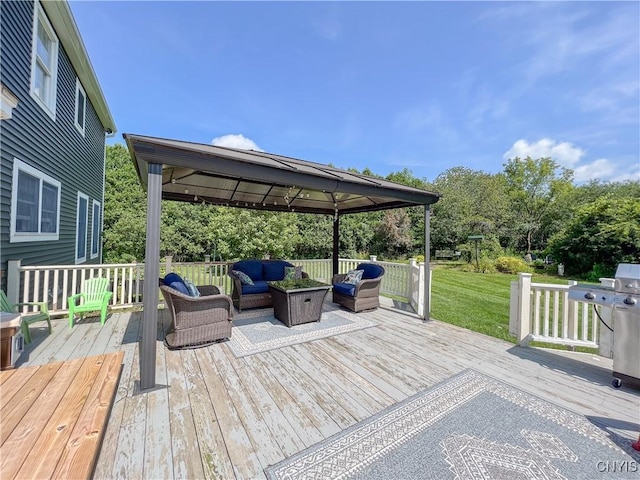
[476, 301]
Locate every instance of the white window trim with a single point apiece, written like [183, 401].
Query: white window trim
[8, 101]
[80, 90]
[94, 233]
[15, 237]
[86, 229]
[50, 106]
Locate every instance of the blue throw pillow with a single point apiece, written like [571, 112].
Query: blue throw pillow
[179, 286]
[193, 290]
[243, 277]
[292, 273]
[353, 277]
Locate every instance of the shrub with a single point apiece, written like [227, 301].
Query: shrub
[512, 265]
[485, 265]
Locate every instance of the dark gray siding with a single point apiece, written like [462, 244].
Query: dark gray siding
[54, 147]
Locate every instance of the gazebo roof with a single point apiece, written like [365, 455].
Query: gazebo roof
[196, 173]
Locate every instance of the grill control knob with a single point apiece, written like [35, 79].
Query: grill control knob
[590, 296]
[630, 300]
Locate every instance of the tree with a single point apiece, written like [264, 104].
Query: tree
[534, 187]
[600, 236]
[315, 236]
[393, 233]
[125, 209]
[472, 202]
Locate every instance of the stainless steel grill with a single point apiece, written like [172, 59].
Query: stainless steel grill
[624, 299]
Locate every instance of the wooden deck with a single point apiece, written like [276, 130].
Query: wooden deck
[216, 416]
[54, 416]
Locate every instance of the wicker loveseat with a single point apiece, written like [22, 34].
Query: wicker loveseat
[364, 295]
[260, 272]
[197, 321]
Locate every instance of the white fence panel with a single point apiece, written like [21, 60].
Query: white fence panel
[55, 283]
[553, 317]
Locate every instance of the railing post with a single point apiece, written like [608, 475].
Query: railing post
[373, 258]
[167, 264]
[572, 316]
[412, 266]
[514, 297]
[605, 336]
[524, 308]
[13, 280]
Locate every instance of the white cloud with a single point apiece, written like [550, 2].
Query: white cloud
[605, 170]
[568, 155]
[565, 153]
[236, 141]
[596, 170]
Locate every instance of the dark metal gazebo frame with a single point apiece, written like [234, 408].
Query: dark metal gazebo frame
[196, 173]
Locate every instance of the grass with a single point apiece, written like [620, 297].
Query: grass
[476, 301]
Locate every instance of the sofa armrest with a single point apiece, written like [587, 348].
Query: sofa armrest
[206, 290]
[338, 278]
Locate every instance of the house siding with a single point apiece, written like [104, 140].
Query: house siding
[54, 147]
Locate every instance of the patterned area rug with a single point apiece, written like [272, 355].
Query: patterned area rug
[256, 331]
[469, 427]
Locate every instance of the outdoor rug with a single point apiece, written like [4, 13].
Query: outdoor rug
[468, 427]
[256, 331]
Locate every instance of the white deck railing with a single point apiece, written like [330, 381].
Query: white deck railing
[544, 313]
[53, 284]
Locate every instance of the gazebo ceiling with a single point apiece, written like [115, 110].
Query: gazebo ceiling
[196, 173]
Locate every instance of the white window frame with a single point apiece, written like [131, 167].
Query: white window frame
[51, 71]
[82, 196]
[14, 236]
[95, 228]
[80, 92]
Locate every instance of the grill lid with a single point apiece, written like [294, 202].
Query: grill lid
[628, 278]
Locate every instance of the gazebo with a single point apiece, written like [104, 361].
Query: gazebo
[194, 172]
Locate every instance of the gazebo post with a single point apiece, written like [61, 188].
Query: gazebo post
[336, 243]
[151, 274]
[427, 262]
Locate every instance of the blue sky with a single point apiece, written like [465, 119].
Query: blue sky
[426, 86]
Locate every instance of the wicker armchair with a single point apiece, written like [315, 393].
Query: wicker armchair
[365, 295]
[197, 321]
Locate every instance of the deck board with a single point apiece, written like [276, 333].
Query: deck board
[53, 426]
[217, 416]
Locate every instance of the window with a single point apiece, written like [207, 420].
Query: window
[95, 230]
[81, 106]
[44, 62]
[35, 205]
[82, 220]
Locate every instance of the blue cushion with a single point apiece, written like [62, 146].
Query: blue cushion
[253, 268]
[258, 287]
[371, 270]
[344, 288]
[274, 269]
[172, 277]
[179, 286]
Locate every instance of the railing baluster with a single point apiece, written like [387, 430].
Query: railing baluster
[556, 301]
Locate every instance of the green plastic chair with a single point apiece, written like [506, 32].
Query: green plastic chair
[94, 296]
[42, 315]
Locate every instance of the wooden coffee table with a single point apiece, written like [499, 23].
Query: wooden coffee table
[298, 301]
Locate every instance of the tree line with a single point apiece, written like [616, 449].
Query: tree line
[532, 206]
